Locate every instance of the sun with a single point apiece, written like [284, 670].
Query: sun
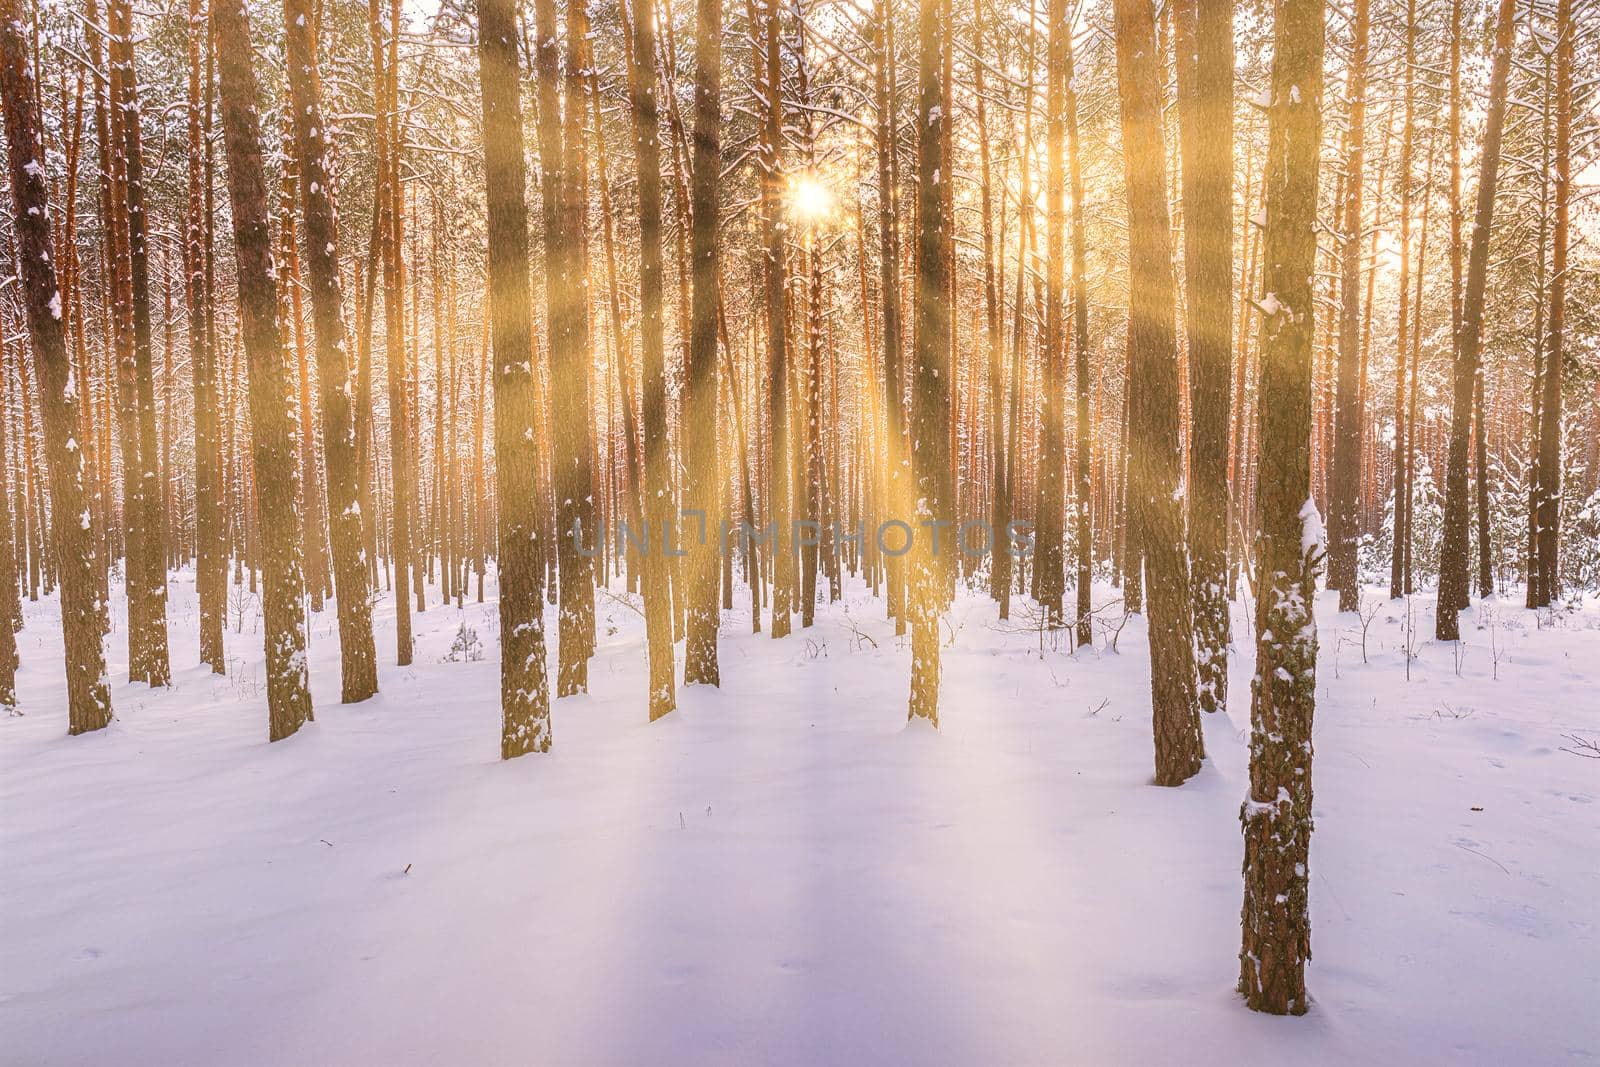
[809, 199]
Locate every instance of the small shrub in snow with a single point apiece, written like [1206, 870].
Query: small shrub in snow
[466, 648]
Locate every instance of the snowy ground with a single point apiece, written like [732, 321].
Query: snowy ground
[783, 871]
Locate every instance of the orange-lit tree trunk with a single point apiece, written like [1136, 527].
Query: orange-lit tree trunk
[524, 700]
[1344, 483]
[274, 449]
[1154, 465]
[88, 699]
[1548, 476]
[930, 372]
[391, 253]
[703, 469]
[658, 515]
[358, 658]
[1204, 52]
[146, 548]
[1453, 555]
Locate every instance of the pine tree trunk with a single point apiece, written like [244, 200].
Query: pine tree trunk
[524, 700]
[658, 513]
[1049, 547]
[769, 81]
[894, 458]
[390, 238]
[1401, 482]
[147, 554]
[10, 594]
[1454, 552]
[1344, 518]
[703, 467]
[358, 657]
[274, 449]
[1276, 815]
[930, 374]
[1548, 479]
[568, 331]
[1205, 112]
[1083, 488]
[1155, 460]
[61, 393]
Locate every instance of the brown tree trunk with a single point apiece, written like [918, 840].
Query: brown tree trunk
[1453, 555]
[146, 552]
[1083, 491]
[1548, 479]
[524, 700]
[400, 444]
[358, 657]
[930, 374]
[1344, 517]
[88, 699]
[1155, 460]
[702, 465]
[272, 424]
[894, 457]
[777, 309]
[658, 514]
[10, 594]
[1204, 51]
[1049, 573]
[1401, 474]
[1276, 815]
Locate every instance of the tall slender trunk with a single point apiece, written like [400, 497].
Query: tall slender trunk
[147, 554]
[703, 468]
[272, 424]
[60, 391]
[930, 373]
[10, 595]
[346, 519]
[1548, 478]
[524, 699]
[1344, 516]
[1204, 51]
[1401, 472]
[1453, 554]
[894, 457]
[769, 81]
[657, 488]
[391, 254]
[1154, 464]
[1000, 501]
[1276, 815]
[1049, 548]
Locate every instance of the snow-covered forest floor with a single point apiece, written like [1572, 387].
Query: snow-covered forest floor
[782, 870]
